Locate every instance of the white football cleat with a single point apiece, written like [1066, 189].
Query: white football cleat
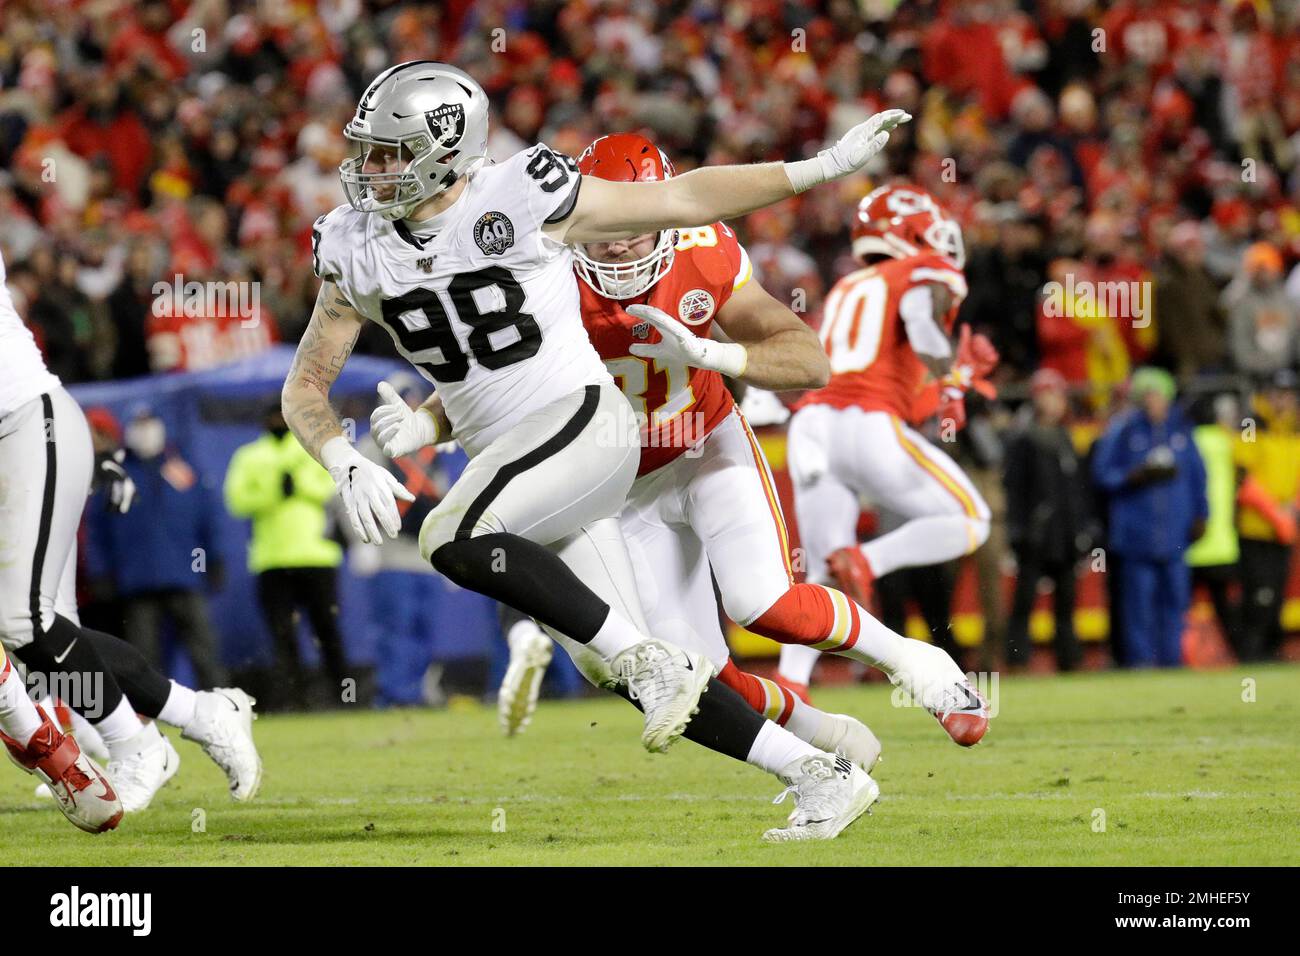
[842, 734]
[530, 655]
[933, 680]
[82, 790]
[223, 727]
[830, 792]
[142, 767]
[667, 682]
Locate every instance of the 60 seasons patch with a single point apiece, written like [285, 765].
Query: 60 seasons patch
[494, 233]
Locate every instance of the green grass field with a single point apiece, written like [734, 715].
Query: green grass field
[1184, 771]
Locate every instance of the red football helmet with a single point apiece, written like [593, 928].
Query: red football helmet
[626, 158]
[901, 221]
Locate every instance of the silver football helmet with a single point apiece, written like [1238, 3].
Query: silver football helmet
[436, 115]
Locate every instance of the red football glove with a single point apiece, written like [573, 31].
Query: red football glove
[976, 359]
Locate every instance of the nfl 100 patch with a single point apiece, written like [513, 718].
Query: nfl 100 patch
[447, 124]
[696, 307]
[494, 233]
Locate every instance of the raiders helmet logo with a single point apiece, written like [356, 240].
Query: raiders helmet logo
[696, 307]
[494, 233]
[447, 124]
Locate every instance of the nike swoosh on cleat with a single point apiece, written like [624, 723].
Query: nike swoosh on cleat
[109, 793]
[973, 701]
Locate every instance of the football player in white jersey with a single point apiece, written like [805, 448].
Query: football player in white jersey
[46, 467]
[468, 267]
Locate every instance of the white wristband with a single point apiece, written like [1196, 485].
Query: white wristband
[804, 174]
[729, 358]
[434, 435]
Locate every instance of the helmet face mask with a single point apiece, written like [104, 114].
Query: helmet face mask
[901, 221]
[627, 280]
[944, 236]
[626, 157]
[436, 115]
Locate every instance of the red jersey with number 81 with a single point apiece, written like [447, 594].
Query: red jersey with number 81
[873, 366]
[677, 405]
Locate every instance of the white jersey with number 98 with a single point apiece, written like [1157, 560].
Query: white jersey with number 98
[479, 298]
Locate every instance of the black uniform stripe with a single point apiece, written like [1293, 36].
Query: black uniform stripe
[404, 232]
[511, 470]
[47, 510]
[565, 208]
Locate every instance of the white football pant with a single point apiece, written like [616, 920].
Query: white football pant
[46, 466]
[840, 458]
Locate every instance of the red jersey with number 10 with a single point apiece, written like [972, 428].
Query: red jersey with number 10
[873, 366]
[678, 405]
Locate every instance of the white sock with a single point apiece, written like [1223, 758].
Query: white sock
[182, 704]
[797, 663]
[119, 726]
[775, 748]
[877, 645]
[924, 541]
[615, 636]
[805, 721]
[149, 735]
[18, 715]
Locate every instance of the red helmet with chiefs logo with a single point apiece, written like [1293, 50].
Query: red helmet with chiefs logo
[626, 158]
[902, 221]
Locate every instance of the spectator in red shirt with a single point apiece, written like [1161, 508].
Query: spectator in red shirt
[103, 126]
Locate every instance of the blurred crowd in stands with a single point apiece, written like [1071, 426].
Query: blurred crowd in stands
[1143, 147]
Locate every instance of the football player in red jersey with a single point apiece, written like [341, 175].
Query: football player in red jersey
[704, 500]
[884, 328]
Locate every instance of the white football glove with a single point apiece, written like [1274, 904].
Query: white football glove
[398, 428]
[110, 474]
[761, 407]
[368, 491]
[854, 150]
[681, 346]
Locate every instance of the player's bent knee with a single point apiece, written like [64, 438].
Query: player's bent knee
[16, 630]
[441, 528]
[435, 531]
[979, 529]
[802, 615]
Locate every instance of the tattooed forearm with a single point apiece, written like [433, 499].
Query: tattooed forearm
[322, 352]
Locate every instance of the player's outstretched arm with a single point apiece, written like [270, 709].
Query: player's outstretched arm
[607, 210]
[325, 346]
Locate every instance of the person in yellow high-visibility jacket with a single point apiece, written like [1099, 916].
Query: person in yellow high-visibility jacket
[1270, 456]
[276, 483]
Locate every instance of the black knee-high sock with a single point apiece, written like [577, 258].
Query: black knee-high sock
[725, 723]
[73, 669]
[144, 686]
[526, 576]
